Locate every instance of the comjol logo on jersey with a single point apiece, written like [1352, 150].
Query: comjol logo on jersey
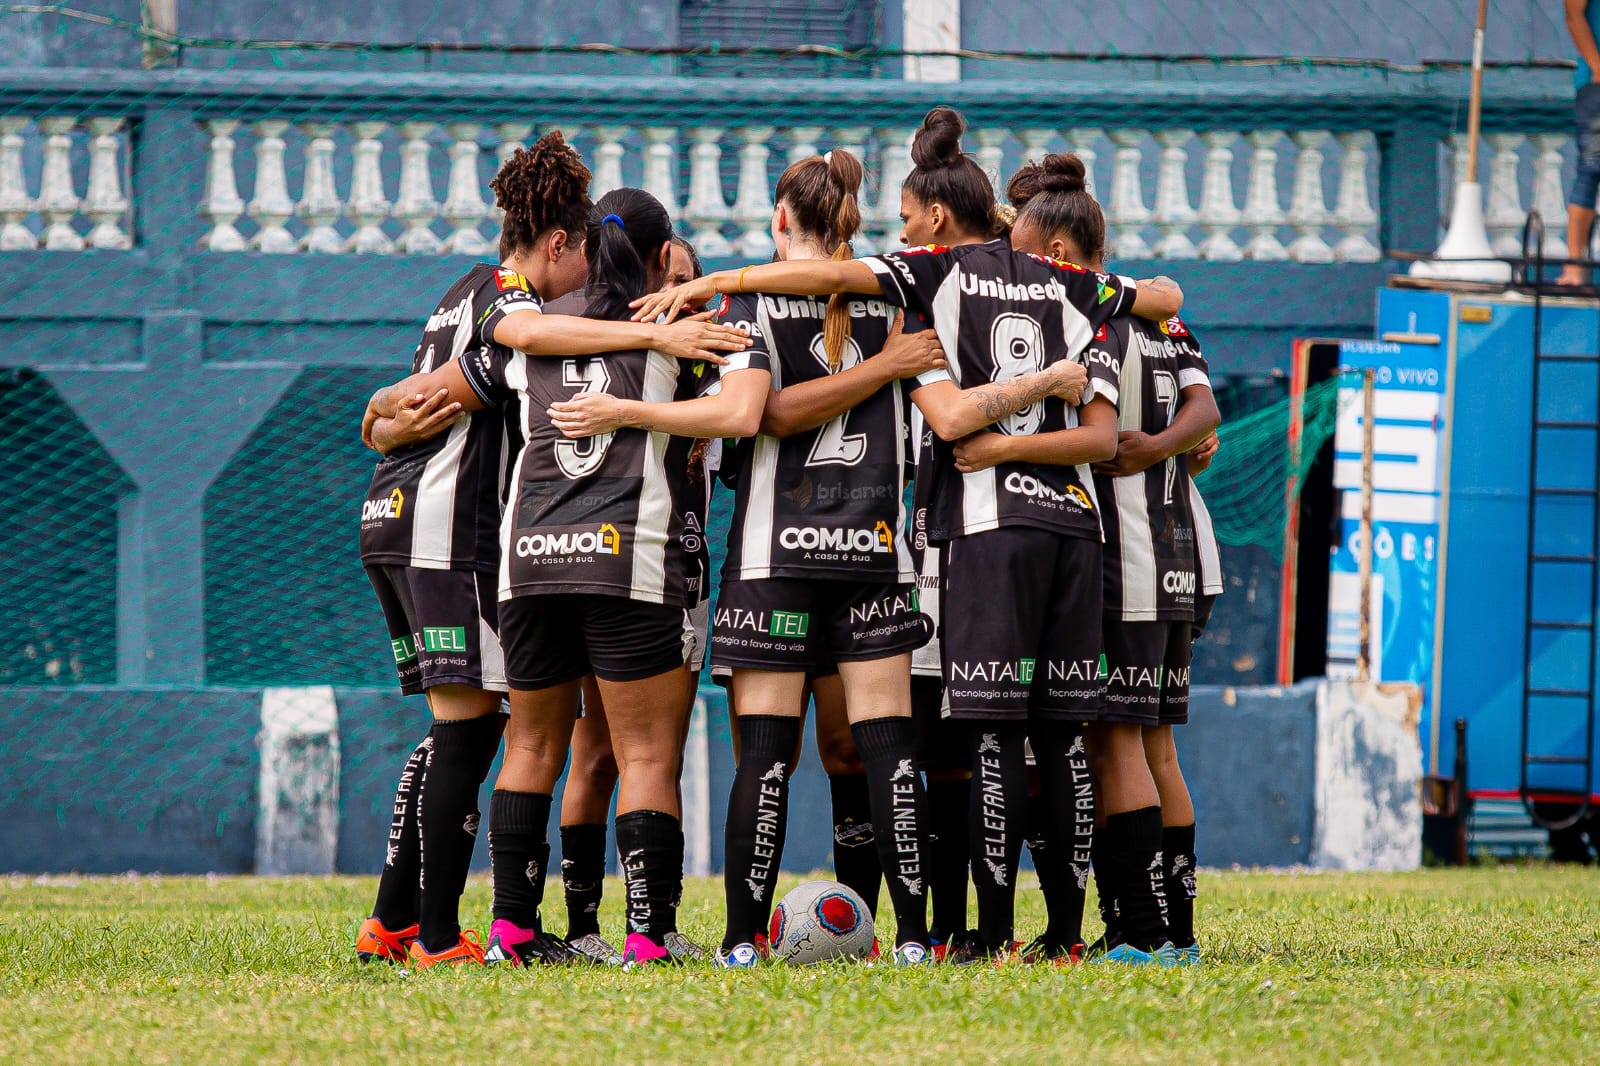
[1179, 581]
[1028, 485]
[880, 538]
[602, 541]
[388, 506]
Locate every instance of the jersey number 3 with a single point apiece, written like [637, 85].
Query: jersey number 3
[580, 458]
[1017, 344]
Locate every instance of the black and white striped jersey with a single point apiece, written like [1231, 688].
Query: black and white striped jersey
[1208, 557]
[436, 504]
[601, 514]
[924, 555]
[826, 503]
[1150, 553]
[1001, 314]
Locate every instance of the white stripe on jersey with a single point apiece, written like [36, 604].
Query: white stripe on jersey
[755, 554]
[517, 381]
[1207, 555]
[434, 516]
[653, 523]
[980, 501]
[1138, 550]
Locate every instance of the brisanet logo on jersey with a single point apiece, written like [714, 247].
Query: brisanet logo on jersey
[602, 541]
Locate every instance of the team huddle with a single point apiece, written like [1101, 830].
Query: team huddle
[963, 528]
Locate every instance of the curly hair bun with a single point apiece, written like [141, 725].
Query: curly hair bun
[1063, 172]
[938, 142]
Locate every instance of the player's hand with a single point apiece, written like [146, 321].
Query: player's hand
[586, 414]
[1201, 454]
[669, 302]
[1070, 379]
[697, 337]
[980, 451]
[1136, 452]
[908, 354]
[421, 417]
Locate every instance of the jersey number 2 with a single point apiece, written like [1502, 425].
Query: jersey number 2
[833, 445]
[580, 458]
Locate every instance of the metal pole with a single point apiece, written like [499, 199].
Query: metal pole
[1475, 103]
[1364, 650]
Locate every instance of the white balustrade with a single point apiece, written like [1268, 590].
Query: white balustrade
[368, 205]
[1263, 211]
[991, 153]
[1503, 213]
[706, 210]
[104, 203]
[895, 146]
[1354, 214]
[1218, 212]
[415, 206]
[853, 139]
[58, 200]
[1549, 198]
[752, 209]
[319, 199]
[1308, 210]
[1173, 214]
[660, 162]
[15, 203]
[464, 206]
[222, 203]
[1083, 140]
[802, 144]
[271, 206]
[1126, 212]
[608, 153]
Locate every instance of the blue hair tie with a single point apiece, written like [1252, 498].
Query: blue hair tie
[614, 218]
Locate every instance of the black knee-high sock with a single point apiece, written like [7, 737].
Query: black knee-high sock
[519, 850]
[900, 819]
[855, 859]
[397, 902]
[1066, 804]
[758, 813]
[651, 846]
[583, 876]
[1133, 861]
[1177, 846]
[998, 820]
[447, 819]
[948, 855]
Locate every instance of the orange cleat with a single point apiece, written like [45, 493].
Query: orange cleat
[467, 950]
[374, 942]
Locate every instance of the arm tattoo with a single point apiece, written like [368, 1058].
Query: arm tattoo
[1001, 398]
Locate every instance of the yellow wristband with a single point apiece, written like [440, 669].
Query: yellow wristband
[741, 278]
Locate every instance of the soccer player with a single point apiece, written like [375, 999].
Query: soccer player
[429, 537]
[1022, 556]
[1166, 409]
[592, 774]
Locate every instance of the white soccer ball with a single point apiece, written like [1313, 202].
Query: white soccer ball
[821, 920]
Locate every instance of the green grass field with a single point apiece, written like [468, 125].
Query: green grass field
[1479, 965]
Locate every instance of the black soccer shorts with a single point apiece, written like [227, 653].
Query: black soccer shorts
[442, 626]
[1147, 664]
[789, 624]
[553, 638]
[1020, 620]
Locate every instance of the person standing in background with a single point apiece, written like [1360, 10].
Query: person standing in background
[1581, 15]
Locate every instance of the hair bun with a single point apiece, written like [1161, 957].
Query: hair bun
[938, 143]
[1063, 172]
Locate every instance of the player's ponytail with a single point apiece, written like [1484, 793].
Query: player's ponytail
[625, 235]
[542, 188]
[822, 196]
[1060, 206]
[943, 174]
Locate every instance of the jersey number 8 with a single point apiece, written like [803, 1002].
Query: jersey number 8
[580, 458]
[1017, 346]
